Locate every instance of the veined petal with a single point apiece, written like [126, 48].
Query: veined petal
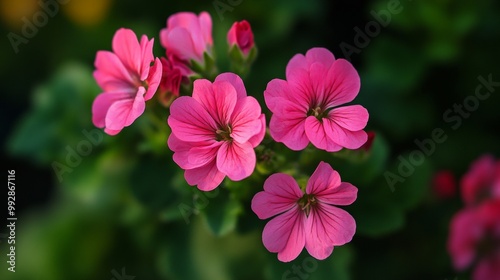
[353, 118]
[325, 184]
[284, 234]
[281, 193]
[101, 106]
[321, 55]
[315, 132]
[125, 112]
[206, 177]
[290, 131]
[202, 155]
[218, 99]
[127, 48]
[245, 119]
[234, 80]
[154, 79]
[342, 82]
[327, 226]
[111, 74]
[236, 160]
[257, 138]
[146, 57]
[343, 137]
[190, 121]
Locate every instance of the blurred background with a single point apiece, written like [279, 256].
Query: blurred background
[123, 208]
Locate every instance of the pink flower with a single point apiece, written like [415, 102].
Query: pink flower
[481, 181]
[444, 184]
[170, 82]
[214, 133]
[241, 35]
[187, 36]
[475, 238]
[305, 106]
[128, 81]
[308, 219]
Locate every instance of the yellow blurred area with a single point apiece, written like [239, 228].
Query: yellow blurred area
[81, 12]
[12, 11]
[87, 12]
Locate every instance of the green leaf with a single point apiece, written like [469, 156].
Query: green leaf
[61, 110]
[222, 213]
[151, 183]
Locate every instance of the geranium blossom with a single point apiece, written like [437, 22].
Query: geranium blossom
[240, 34]
[306, 106]
[128, 81]
[305, 220]
[475, 238]
[187, 36]
[482, 181]
[214, 133]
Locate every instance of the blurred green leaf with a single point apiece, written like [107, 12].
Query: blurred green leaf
[222, 213]
[151, 183]
[61, 109]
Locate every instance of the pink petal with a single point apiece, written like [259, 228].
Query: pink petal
[192, 155]
[182, 19]
[297, 63]
[234, 80]
[302, 90]
[327, 226]
[321, 55]
[257, 138]
[112, 132]
[246, 120]
[205, 22]
[478, 179]
[276, 91]
[190, 121]
[219, 99]
[315, 131]
[154, 79]
[236, 160]
[126, 46]
[281, 193]
[465, 232]
[202, 155]
[101, 106]
[352, 118]
[342, 82]
[279, 100]
[325, 184]
[343, 137]
[285, 235]
[111, 74]
[488, 268]
[180, 42]
[125, 112]
[319, 89]
[180, 149]
[290, 131]
[207, 177]
[146, 57]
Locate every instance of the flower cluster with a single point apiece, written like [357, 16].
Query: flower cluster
[216, 126]
[474, 237]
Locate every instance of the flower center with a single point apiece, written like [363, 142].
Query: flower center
[317, 112]
[224, 134]
[306, 202]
